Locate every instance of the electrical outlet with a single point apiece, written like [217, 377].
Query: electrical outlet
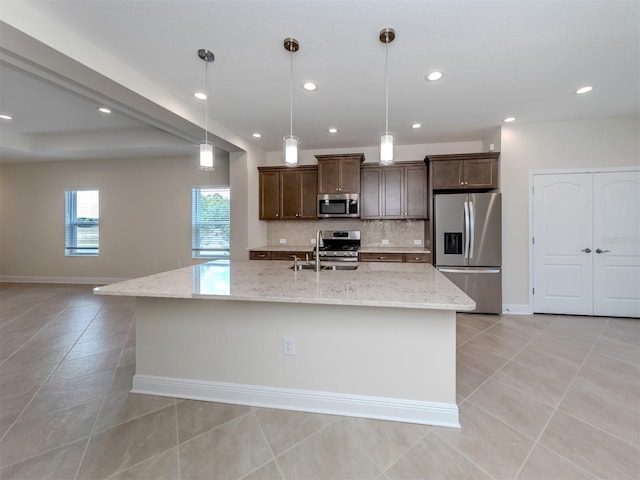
[288, 346]
[417, 242]
[385, 242]
[283, 240]
[313, 241]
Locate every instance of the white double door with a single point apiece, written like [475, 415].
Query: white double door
[586, 243]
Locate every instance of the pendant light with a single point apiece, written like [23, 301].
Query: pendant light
[207, 156]
[290, 142]
[386, 138]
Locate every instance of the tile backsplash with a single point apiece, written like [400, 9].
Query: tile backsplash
[398, 233]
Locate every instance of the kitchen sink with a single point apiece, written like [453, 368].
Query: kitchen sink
[304, 266]
[311, 266]
[339, 267]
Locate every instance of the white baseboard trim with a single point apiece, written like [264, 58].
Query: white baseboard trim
[517, 309]
[380, 408]
[67, 280]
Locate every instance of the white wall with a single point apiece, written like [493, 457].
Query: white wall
[548, 146]
[145, 216]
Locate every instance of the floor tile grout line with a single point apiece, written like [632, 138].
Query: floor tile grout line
[175, 407]
[44, 382]
[35, 334]
[466, 399]
[557, 407]
[273, 455]
[428, 432]
[466, 457]
[102, 402]
[324, 427]
[509, 360]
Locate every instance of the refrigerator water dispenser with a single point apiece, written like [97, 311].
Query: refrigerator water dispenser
[453, 243]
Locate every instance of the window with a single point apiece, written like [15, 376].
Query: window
[210, 220]
[81, 222]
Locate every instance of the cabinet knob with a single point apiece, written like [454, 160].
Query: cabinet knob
[382, 258]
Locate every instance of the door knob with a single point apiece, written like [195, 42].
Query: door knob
[602, 251]
[586, 250]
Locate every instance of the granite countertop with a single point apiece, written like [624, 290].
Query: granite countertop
[376, 249]
[399, 285]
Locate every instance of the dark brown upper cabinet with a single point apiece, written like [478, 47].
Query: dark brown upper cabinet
[394, 192]
[339, 173]
[468, 171]
[288, 193]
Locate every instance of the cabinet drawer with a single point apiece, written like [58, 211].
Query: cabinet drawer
[259, 255]
[417, 257]
[381, 257]
[289, 255]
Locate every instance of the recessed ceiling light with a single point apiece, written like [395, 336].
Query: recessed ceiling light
[309, 86]
[6, 117]
[509, 119]
[200, 95]
[332, 130]
[416, 125]
[433, 76]
[583, 90]
[104, 110]
[257, 135]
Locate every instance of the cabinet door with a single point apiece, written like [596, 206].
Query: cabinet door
[350, 175]
[269, 195]
[447, 174]
[370, 205]
[329, 175]
[308, 194]
[290, 192]
[392, 192]
[480, 173]
[416, 191]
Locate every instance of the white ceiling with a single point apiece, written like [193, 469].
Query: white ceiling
[499, 58]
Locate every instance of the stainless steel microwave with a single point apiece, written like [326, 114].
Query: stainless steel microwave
[338, 205]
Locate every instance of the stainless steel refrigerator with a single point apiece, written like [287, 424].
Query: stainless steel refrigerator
[468, 245]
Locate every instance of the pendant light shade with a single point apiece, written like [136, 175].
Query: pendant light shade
[291, 150]
[206, 161]
[207, 152]
[386, 149]
[387, 36]
[290, 142]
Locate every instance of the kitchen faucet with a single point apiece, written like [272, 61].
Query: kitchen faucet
[317, 251]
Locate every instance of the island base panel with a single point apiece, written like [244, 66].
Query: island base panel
[395, 364]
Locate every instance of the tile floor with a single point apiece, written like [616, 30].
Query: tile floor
[541, 397]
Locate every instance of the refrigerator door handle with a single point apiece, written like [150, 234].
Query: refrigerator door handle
[462, 270]
[472, 229]
[466, 230]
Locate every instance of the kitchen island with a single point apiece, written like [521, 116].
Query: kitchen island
[376, 342]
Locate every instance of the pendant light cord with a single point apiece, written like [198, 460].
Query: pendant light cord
[206, 101]
[386, 88]
[291, 95]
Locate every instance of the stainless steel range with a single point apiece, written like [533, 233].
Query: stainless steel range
[339, 245]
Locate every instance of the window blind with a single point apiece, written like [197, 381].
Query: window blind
[81, 222]
[211, 222]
